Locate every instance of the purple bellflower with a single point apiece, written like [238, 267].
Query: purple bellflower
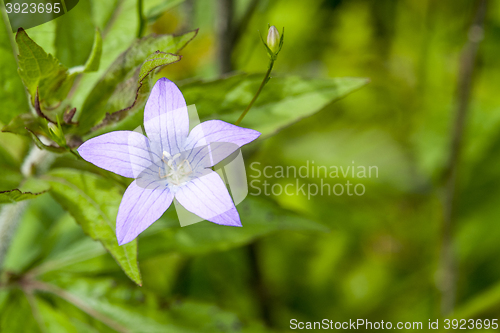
[170, 162]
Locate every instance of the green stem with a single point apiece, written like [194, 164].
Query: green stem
[266, 78]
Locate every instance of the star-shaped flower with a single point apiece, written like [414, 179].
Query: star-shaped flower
[170, 162]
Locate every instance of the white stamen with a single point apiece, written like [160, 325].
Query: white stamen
[176, 173]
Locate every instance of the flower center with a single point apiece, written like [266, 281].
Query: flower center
[175, 170]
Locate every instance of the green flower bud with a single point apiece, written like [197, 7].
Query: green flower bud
[56, 134]
[273, 39]
[54, 130]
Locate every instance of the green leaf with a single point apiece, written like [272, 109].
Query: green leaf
[154, 61]
[74, 35]
[118, 88]
[17, 195]
[24, 122]
[12, 93]
[283, 101]
[87, 296]
[17, 315]
[479, 304]
[42, 70]
[43, 146]
[119, 19]
[94, 59]
[53, 319]
[259, 217]
[30, 189]
[29, 125]
[12, 149]
[93, 201]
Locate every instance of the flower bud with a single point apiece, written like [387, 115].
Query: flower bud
[273, 39]
[53, 129]
[56, 134]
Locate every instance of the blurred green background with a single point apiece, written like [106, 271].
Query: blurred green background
[376, 256]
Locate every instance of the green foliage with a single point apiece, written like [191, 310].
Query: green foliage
[40, 70]
[155, 61]
[73, 38]
[16, 314]
[374, 256]
[259, 217]
[16, 195]
[145, 84]
[93, 202]
[284, 100]
[24, 123]
[118, 88]
[14, 101]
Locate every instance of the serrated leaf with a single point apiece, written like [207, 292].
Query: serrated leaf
[283, 101]
[153, 62]
[40, 69]
[94, 59]
[259, 217]
[93, 201]
[16, 195]
[118, 88]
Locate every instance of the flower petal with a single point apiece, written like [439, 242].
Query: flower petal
[207, 197]
[166, 118]
[221, 137]
[125, 153]
[140, 207]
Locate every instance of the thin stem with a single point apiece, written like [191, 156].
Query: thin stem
[464, 87]
[266, 78]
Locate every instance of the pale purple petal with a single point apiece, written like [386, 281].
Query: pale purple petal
[207, 197]
[140, 207]
[222, 139]
[125, 153]
[166, 119]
